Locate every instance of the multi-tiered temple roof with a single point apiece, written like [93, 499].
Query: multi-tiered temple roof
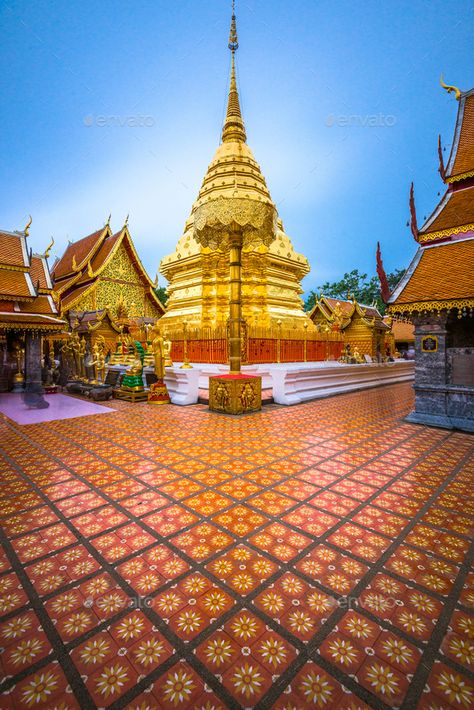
[103, 271]
[198, 276]
[441, 275]
[26, 288]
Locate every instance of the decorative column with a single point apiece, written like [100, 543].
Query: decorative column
[235, 302]
[33, 396]
[230, 223]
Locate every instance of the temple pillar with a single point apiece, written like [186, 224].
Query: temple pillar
[235, 303]
[430, 371]
[33, 387]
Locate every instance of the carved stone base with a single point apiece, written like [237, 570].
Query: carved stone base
[158, 393]
[235, 394]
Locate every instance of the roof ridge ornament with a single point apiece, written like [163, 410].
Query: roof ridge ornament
[450, 89]
[26, 230]
[48, 248]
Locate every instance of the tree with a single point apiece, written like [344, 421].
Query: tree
[160, 291]
[358, 286]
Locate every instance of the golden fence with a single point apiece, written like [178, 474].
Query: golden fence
[259, 345]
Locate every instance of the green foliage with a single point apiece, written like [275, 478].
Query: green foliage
[162, 295]
[355, 285]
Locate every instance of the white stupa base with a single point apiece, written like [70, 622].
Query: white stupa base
[293, 382]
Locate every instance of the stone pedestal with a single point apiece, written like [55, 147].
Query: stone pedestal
[235, 393]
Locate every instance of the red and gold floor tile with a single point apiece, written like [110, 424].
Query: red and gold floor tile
[305, 563]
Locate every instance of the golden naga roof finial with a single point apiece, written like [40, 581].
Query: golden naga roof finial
[450, 89]
[155, 282]
[125, 224]
[107, 224]
[74, 263]
[90, 273]
[26, 230]
[48, 248]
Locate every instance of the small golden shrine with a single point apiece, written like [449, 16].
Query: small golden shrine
[103, 273]
[362, 326]
[198, 273]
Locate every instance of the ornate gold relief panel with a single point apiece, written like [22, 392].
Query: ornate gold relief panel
[121, 267]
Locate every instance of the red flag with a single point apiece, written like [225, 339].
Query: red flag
[441, 169]
[384, 287]
[413, 224]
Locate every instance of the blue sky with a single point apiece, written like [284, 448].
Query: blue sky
[117, 107]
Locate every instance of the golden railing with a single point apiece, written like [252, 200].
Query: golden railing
[259, 345]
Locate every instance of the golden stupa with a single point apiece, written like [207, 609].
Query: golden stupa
[198, 275]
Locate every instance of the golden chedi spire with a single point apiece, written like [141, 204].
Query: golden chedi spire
[198, 279]
[233, 129]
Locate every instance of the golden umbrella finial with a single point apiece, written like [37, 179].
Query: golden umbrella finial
[233, 39]
[450, 89]
[26, 230]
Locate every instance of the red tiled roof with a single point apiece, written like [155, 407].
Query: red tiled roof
[73, 295]
[82, 249]
[463, 159]
[31, 320]
[346, 306]
[443, 272]
[403, 331]
[457, 211]
[11, 249]
[37, 272]
[41, 304]
[14, 285]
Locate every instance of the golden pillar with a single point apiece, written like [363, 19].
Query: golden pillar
[235, 303]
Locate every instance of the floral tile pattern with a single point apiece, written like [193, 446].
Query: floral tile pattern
[314, 556]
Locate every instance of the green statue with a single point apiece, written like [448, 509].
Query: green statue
[133, 379]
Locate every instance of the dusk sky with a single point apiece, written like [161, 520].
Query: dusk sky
[117, 106]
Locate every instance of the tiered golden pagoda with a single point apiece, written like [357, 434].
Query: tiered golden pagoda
[198, 274]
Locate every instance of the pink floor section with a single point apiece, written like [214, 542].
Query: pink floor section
[61, 406]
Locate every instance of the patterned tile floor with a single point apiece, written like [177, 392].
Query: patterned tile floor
[315, 556]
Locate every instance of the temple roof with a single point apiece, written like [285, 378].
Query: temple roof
[456, 209]
[347, 308]
[78, 253]
[25, 286]
[92, 255]
[16, 285]
[461, 160]
[402, 330]
[439, 273]
[454, 214]
[13, 251]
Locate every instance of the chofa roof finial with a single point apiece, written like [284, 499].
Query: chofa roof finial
[450, 89]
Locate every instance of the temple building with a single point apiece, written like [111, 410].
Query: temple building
[437, 290]
[198, 276]
[363, 327]
[100, 280]
[27, 311]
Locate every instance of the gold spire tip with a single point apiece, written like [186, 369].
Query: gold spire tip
[233, 39]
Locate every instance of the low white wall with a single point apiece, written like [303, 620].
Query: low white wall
[299, 383]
